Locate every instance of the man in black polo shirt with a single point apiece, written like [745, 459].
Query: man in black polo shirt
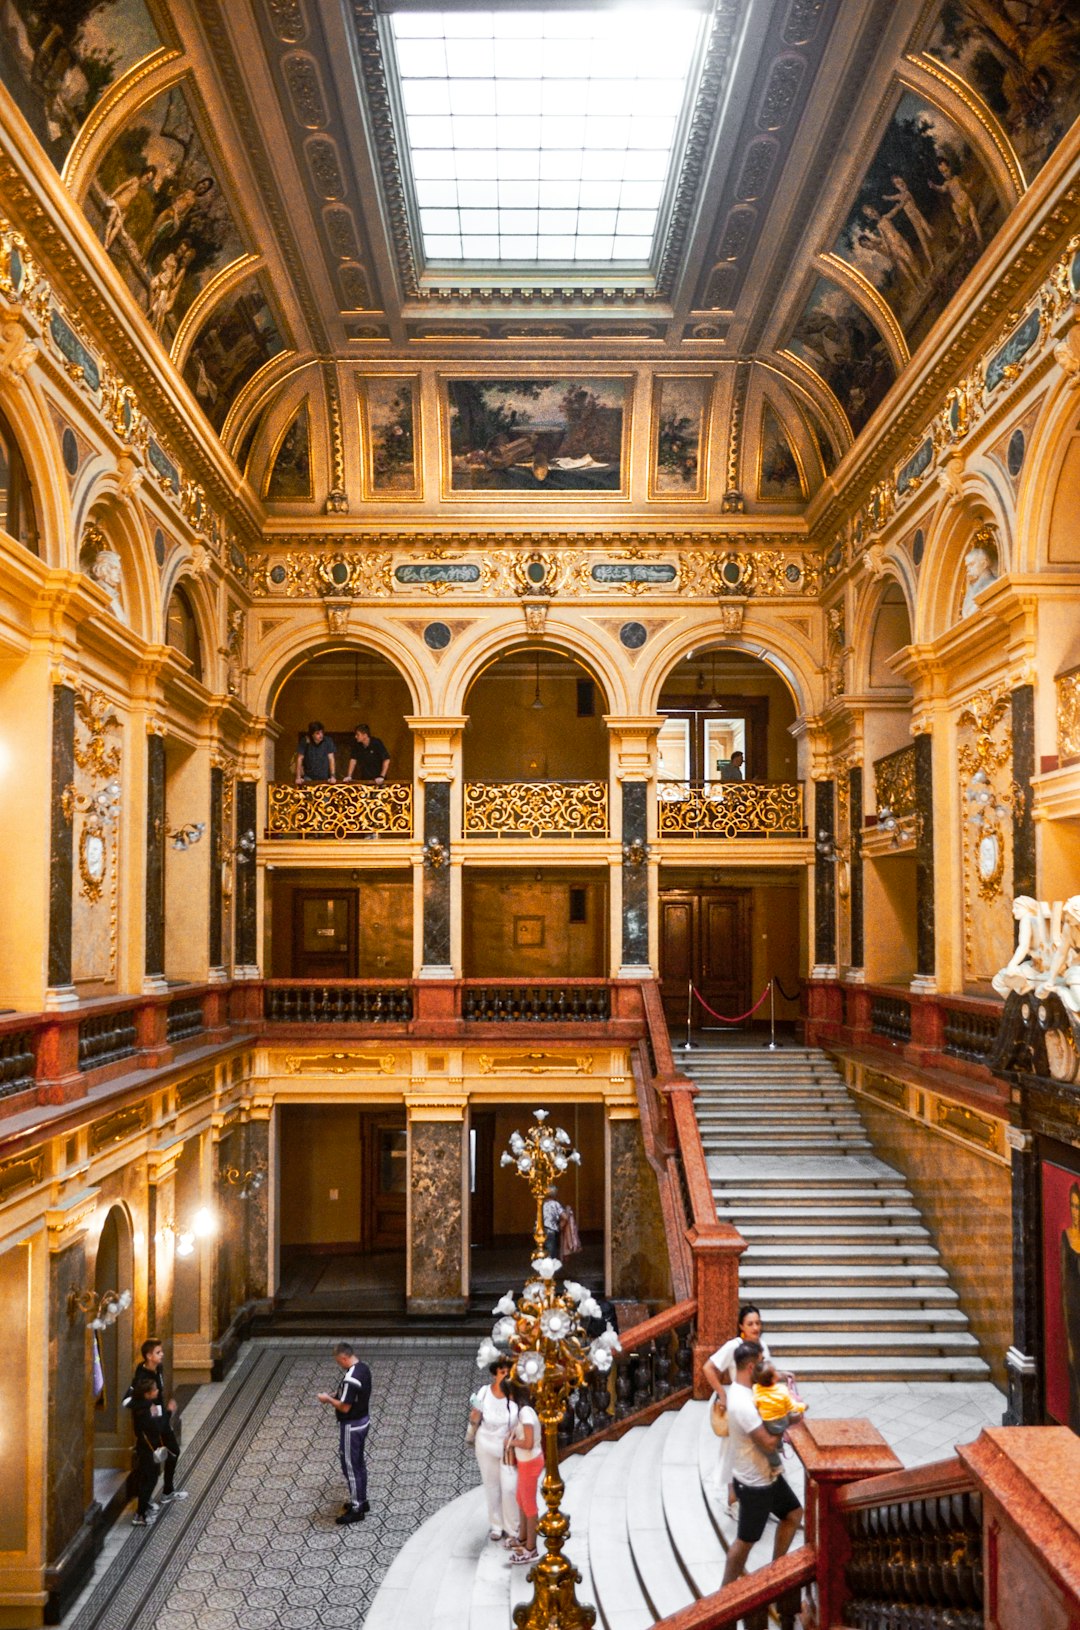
[315, 760]
[369, 760]
[351, 1403]
[151, 1367]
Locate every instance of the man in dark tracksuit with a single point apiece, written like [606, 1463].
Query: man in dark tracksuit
[146, 1417]
[351, 1403]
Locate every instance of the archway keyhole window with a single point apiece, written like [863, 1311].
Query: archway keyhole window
[182, 631]
[17, 514]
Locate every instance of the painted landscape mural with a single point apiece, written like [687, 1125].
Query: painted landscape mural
[1023, 58]
[229, 349]
[836, 338]
[536, 435]
[59, 57]
[389, 415]
[682, 413]
[923, 214]
[291, 476]
[779, 478]
[156, 203]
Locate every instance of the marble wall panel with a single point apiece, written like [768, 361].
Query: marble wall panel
[824, 875]
[155, 855]
[966, 1202]
[437, 878]
[217, 836]
[246, 878]
[925, 944]
[855, 886]
[635, 877]
[639, 1261]
[70, 1405]
[62, 845]
[436, 1220]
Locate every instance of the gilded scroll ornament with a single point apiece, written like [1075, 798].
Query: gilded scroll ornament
[731, 809]
[342, 810]
[534, 809]
[1067, 686]
[894, 782]
[535, 1063]
[340, 1063]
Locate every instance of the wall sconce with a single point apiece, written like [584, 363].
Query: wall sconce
[106, 1309]
[635, 853]
[436, 854]
[242, 850]
[250, 1181]
[825, 847]
[985, 806]
[184, 836]
[889, 823]
[105, 803]
[203, 1224]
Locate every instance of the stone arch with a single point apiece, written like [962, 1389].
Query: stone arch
[200, 606]
[104, 510]
[23, 406]
[114, 1270]
[950, 537]
[289, 649]
[790, 657]
[871, 640]
[560, 634]
[1049, 491]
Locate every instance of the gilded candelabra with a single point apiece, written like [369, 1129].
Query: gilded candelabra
[540, 1156]
[544, 1331]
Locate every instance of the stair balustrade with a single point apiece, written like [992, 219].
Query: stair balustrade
[570, 1002]
[357, 1002]
[184, 1019]
[16, 1062]
[890, 1016]
[106, 1038]
[653, 1372]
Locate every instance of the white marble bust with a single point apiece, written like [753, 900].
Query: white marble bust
[980, 567]
[107, 571]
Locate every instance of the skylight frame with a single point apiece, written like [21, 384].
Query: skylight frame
[635, 278]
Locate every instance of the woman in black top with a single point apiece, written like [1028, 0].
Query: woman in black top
[148, 1419]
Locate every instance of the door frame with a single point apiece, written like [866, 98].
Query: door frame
[696, 896]
[350, 896]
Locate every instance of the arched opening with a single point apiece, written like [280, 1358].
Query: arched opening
[727, 927]
[182, 630]
[535, 715]
[113, 1271]
[890, 892]
[18, 517]
[342, 689]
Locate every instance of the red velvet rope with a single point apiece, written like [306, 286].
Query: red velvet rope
[741, 1016]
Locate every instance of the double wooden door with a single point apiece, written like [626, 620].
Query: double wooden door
[704, 941]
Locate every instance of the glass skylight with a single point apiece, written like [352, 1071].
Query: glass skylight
[543, 136]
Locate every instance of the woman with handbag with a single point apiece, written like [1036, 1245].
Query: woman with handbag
[150, 1450]
[492, 1419]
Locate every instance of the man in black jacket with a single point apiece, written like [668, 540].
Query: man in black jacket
[151, 1367]
[147, 1418]
[351, 1403]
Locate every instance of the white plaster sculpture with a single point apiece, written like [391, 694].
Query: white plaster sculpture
[107, 571]
[980, 566]
[1046, 961]
[1063, 974]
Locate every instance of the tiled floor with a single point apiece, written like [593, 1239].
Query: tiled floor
[255, 1546]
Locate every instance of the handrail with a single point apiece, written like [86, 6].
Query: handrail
[661, 1324]
[939, 1478]
[726, 1606]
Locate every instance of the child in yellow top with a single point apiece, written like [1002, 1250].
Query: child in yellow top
[775, 1404]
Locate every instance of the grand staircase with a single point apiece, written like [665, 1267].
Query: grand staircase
[649, 1532]
[848, 1279]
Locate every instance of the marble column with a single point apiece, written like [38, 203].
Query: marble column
[62, 844]
[155, 861]
[217, 797]
[635, 879]
[925, 947]
[246, 896]
[638, 1262]
[1023, 768]
[1024, 1359]
[436, 940]
[824, 878]
[437, 1174]
[257, 1230]
[855, 880]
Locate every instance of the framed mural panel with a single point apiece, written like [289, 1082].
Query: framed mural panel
[680, 436]
[548, 433]
[1061, 1288]
[390, 428]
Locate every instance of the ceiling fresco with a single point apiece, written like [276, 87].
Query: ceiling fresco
[244, 167]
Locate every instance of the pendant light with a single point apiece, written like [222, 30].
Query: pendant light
[536, 704]
[714, 700]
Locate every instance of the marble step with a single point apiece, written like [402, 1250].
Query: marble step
[858, 1367]
[817, 1214]
[617, 1589]
[805, 1323]
[779, 1279]
[841, 1198]
[771, 1114]
[662, 1579]
[694, 1534]
[877, 1343]
[761, 1253]
[880, 1232]
[779, 1143]
[414, 1579]
[576, 1505]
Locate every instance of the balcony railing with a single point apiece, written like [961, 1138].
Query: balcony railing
[894, 782]
[536, 809]
[731, 809]
[353, 809]
[312, 1002]
[570, 1002]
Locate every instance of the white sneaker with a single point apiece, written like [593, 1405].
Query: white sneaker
[143, 1522]
[177, 1494]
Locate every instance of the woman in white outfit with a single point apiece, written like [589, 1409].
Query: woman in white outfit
[495, 1416]
[719, 1372]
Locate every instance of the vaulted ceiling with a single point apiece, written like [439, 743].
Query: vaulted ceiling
[842, 166]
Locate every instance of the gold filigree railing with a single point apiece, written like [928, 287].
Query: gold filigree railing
[346, 809]
[1067, 686]
[894, 782]
[536, 809]
[730, 809]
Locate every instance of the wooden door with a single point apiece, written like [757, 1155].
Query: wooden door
[386, 1176]
[704, 940]
[678, 952]
[724, 951]
[324, 934]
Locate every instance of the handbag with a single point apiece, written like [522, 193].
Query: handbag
[470, 1432]
[161, 1455]
[718, 1417]
[569, 1238]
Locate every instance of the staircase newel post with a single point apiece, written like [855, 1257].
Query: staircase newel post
[834, 1453]
[716, 1249]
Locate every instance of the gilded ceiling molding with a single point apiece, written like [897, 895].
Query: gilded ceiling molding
[337, 502]
[218, 286]
[985, 119]
[143, 80]
[826, 391]
[260, 391]
[865, 295]
[823, 403]
[733, 502]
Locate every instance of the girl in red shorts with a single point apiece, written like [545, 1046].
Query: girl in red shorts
[528, 1449]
